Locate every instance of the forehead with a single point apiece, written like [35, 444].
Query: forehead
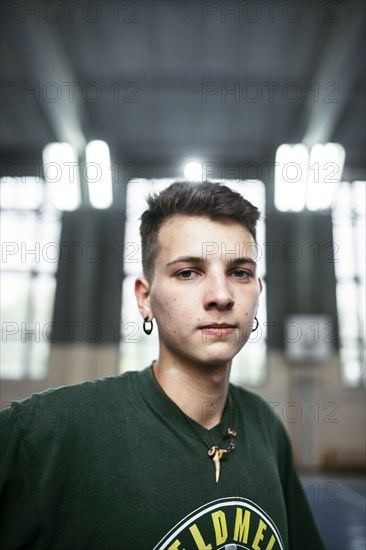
[197, 235]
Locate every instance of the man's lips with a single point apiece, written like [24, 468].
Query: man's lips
[218, 328]
[219, 325]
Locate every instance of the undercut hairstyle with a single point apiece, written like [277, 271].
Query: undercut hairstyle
[211, 200]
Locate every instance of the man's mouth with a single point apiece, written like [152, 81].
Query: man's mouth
[219, 325]
[218, 328]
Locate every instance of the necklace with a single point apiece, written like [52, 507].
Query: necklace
[214, 451]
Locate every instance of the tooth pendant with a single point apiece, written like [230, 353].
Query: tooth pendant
[217, 454]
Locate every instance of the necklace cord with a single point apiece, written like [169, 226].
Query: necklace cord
[214, 452]
[231, 432]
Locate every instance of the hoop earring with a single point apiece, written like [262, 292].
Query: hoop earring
[147, 330]
[257, 324]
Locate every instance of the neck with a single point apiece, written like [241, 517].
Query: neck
[200, 392]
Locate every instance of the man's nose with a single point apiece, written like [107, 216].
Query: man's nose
[218, 293]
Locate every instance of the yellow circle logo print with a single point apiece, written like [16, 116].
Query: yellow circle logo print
[226, 524]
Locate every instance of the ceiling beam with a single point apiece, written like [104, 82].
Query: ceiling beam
[340, 64]
[44, 57]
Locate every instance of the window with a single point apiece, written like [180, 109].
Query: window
[349, 239]
[137, 349]
[30, 229]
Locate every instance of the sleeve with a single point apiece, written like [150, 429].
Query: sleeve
[302, 530]
[18, 488]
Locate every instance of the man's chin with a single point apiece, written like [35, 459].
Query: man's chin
[221, 352]
[215, 360]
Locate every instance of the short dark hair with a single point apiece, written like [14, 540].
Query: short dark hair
[210, 200]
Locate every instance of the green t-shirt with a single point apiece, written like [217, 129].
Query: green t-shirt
[113, 464]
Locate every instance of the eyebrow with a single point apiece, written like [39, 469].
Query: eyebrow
[200, 260]
[244, 260]
[187, 259]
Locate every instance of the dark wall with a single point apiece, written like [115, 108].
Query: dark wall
[89, 279]
[300, 256]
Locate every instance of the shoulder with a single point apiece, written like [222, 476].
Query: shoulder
[69, 403]
[68, 417]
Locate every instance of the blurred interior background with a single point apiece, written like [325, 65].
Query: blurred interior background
[105, 102]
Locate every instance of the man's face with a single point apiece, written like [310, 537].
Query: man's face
[204, 294]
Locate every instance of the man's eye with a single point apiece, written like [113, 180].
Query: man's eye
[187, 274]
[241, 274]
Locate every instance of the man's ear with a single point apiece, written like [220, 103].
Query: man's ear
[142, 293]
[260, 285]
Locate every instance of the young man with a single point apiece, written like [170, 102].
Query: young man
[172, 457]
